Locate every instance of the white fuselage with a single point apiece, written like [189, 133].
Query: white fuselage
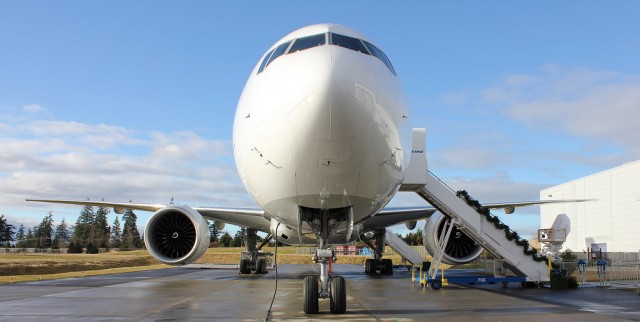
[321, 128]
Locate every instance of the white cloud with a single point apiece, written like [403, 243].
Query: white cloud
[600, 106]
[32, 108]
[55, 159]
[455, 98]
[470, 157]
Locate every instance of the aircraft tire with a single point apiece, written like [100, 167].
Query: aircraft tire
[387, 266]
[370, 266]
[310, 294]
[260, 264]
[338, 295]
[244, 266]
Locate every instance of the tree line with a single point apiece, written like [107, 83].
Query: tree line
[413, 239]
[224, 239]
[90, 232]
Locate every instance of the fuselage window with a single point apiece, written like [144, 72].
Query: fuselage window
[264, 61]
[378, 53]
[348, 42]
[279, 51]
[307, 42]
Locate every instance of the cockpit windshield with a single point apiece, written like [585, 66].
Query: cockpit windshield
[349, 43]
[308, 42]
[305, 43]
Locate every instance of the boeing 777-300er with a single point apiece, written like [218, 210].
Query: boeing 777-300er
[322, 143]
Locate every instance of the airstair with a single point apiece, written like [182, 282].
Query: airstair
[472, 219]
[406, 251]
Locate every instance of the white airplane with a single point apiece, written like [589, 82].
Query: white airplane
[321, 140]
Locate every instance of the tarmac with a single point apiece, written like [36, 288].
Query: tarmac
[220, 294]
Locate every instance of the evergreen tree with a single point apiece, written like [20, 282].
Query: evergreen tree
[130, 234]
[44, 232]
[29, 242]
[73, 249]
[116, 234]
[82, 230]
[238, 239]
[20, 236]
[226, 240]
[91, 249]
[418, 236]
[101, 230]
[213, 232]
[6, 232]
[413, 238]
[61, 236]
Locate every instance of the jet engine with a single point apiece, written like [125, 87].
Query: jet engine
[176, 235]
[460, 249]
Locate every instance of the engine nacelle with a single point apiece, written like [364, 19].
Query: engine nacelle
[460, 249]
[176, 235]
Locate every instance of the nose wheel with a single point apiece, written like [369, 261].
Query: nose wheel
[337, 294]
[310, 294]
[324, 287]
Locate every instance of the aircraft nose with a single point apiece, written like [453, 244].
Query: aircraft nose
[330, 115]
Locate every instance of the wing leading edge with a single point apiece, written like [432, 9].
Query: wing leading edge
[245, 217]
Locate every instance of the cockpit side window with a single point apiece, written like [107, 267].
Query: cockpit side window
[264, 61]
[349, 43]
[279, 51]
[307, 42]
[378, 53]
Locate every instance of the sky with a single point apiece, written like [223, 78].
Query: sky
[134, 100]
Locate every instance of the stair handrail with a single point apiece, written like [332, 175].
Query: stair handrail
[443, 183]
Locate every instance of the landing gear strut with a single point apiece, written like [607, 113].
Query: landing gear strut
[324, 286]
[377, 263]
[253, 260]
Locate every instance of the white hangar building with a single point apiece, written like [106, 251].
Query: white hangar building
[612, 222]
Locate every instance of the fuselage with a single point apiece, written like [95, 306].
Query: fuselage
[322, 125]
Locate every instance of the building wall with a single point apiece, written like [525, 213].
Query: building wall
[613, 219]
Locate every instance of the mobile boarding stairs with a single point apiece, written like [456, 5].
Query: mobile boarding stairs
[514, 253]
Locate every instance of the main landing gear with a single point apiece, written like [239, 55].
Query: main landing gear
[377, 263]
[252, 260]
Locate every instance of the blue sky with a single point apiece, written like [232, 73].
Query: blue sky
[134, 100]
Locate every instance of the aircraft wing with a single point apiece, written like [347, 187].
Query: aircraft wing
[393, 216]
[117, 206]
[509, 207]
[245, 217]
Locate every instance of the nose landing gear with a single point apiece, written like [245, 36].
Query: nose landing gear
[331, 287]
[324, 222]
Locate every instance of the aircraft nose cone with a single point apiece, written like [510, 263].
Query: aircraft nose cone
[330, 116]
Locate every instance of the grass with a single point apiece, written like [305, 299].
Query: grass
[36, 264]
[39, 277]
[24, 267]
